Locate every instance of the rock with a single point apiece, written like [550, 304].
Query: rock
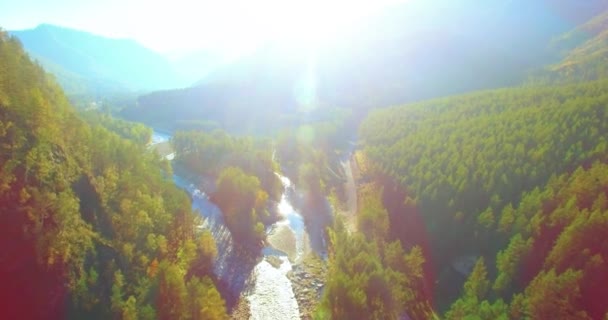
[274, 261]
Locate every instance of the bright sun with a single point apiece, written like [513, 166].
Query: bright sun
[313, 21]
[300, 23]
[239, 26]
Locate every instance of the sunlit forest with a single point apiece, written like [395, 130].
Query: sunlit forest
[344, 160]
[88, 216]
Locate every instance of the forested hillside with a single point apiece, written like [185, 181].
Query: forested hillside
[91, 226]
[462, 155]
[554, 264]
[462, 159]
[474, 166]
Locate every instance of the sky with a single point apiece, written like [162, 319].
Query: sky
[182, 26]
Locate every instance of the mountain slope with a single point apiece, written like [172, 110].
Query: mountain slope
[462, 159]
[554, 259]
[90, 227]
[251, 95]
[105, 64]
[583, 53]
[467, 161]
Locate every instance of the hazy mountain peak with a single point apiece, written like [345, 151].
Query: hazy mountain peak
[106, 64]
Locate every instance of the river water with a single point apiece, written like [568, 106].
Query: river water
[266, 287]
[159, 137]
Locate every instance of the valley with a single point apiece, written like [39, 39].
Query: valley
[428, 161]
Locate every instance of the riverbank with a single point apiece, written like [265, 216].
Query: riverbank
[308, 281]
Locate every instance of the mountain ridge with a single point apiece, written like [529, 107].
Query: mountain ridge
[103, 63]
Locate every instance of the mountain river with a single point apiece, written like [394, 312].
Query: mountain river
[266, 287]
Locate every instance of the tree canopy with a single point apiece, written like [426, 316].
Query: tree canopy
[89, 219]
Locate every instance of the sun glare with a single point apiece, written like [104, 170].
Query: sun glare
[239, 26]
[309, 23]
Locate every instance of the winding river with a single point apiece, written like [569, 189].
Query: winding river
[266, 286]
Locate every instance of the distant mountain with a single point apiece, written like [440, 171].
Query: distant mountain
[583, 54]
[244, 107]
[194, 66]
[259, 93]
[406, 53]
[87, 63]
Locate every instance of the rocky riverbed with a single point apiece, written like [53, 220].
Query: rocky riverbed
[308, 281]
